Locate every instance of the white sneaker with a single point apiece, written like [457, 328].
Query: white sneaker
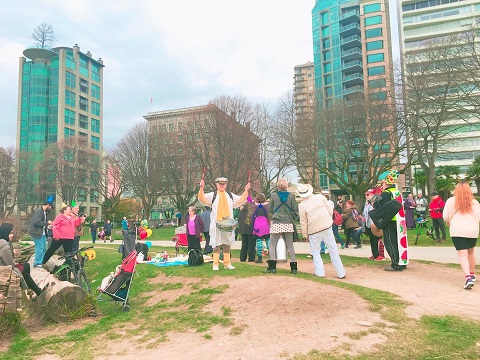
[215, 268]
[229, 267]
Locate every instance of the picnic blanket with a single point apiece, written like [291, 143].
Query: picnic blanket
[176, 261]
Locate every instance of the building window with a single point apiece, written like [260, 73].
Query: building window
[376, 70]
[84, 86]
[373, 33]
[329, 91]
[327, 67]
[327, 79]
[367, 9]
[324, 17]
[95, 140]
[373, 20]
[377, 83]
[374, 45]
[376, 96]
[327, 55]
[70, 64]
[375, 58]
[326, 43]
[93, 195]
[325, 31]
[69, 98]
[95, 125]
[69, 117]
[70, 80]
[95, 91]
[68, 132]
[83, 103]
[95, 72]
[95, 108]
[83, 121]
[83, 66]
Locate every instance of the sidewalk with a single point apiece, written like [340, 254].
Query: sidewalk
[447, 255]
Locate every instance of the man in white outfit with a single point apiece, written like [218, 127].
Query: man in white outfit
[316, 223]
[222, 203]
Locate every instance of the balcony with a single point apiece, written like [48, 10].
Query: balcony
[350, 29]
[355, 65]
[353, 89]
[351, 41]
[350, 15]
[352, 54]
[353, 79]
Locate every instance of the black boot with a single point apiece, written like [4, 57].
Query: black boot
[259, 260]
[271, 267]
[293, 267]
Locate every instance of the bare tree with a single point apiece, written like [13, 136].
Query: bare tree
[70, 163]
[441, 97]
[107, 181]
[224, 147]
[44, 36]
[8, 182]
[134, 154]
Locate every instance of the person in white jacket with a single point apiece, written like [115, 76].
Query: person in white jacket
[316, 223]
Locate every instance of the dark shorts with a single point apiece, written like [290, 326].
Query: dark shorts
[462, 243]
[108, 233]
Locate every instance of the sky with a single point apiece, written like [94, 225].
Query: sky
[162, 55]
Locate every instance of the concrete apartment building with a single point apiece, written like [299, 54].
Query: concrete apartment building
[423, 23]
[60, 94]
[352, 55]
[304, 99]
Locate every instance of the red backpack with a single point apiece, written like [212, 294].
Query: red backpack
[337, 218]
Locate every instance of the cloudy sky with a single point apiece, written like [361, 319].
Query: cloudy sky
[160, 54]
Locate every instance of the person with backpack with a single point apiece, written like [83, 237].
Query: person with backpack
[316, 224]
[222, 203]
[282, 212]
[261, 224]
[351, 224]
[245, 229]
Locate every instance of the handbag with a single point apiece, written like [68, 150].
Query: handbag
[383, 215]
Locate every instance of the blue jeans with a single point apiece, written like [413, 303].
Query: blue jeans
[336, 234]
[40, 249]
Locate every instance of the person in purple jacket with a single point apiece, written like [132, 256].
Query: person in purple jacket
[194, 226]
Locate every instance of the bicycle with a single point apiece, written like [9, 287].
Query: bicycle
[420, 223]
[72, 269]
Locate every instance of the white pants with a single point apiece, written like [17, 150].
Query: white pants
[315, 240]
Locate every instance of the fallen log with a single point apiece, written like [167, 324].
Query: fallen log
[61, 298]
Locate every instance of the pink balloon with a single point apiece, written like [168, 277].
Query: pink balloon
[143, 234]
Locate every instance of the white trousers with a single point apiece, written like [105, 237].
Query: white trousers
[315, 240]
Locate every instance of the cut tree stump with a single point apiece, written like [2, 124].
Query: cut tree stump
[61, 298]
[10, 291]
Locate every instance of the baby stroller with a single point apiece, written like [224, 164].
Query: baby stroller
[117, 285]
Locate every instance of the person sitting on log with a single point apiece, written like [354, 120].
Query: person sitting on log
[7, 252]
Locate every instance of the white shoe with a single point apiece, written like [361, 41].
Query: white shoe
[215, 268]
[229, 267]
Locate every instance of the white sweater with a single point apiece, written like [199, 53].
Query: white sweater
[462, 225]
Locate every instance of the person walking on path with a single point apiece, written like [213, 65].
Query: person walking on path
[38, 231]
[63, 232]
[222, 203]
[436, 209]
[316, 224]
[93, 230]
[462, 215]
[283, 209]
[351, 224]
[107, 227]
[205, 215]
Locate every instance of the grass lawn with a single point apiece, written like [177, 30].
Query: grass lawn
[431, 337]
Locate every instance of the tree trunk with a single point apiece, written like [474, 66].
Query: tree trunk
[61, 298]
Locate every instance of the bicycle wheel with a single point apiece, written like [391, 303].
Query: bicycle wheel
[82, 281]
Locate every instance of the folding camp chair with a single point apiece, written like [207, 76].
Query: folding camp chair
[181, 242]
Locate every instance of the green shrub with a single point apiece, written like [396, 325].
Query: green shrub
[9, 323]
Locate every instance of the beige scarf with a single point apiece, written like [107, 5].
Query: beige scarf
[222, 208]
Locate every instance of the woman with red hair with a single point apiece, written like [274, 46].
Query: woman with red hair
[462, 215]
